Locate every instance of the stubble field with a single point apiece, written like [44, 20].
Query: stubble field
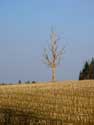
[69, 101]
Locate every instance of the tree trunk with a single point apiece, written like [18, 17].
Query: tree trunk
[53, 74]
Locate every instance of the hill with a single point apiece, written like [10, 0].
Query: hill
[68, 101]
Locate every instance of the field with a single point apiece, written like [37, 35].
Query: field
[72, 102]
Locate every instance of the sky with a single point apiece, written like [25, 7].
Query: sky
[25, 27]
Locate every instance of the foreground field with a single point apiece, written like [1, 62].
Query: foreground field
[69, 101]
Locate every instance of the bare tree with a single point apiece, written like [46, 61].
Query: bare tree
[52, 56]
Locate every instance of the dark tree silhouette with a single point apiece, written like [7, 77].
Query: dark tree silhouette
[88, 70]
[19, 81]
[91, 69]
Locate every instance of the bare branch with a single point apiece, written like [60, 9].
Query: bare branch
[60, 55]
[46, 59]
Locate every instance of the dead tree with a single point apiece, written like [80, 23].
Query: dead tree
[52, 56]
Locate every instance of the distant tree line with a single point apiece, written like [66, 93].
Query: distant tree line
[88, 70]
[27, 82]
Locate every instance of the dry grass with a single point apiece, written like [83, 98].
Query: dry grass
[69, 100]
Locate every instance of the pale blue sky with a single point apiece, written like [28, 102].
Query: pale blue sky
[24, 32]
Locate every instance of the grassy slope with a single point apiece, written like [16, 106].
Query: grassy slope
[69, 100]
